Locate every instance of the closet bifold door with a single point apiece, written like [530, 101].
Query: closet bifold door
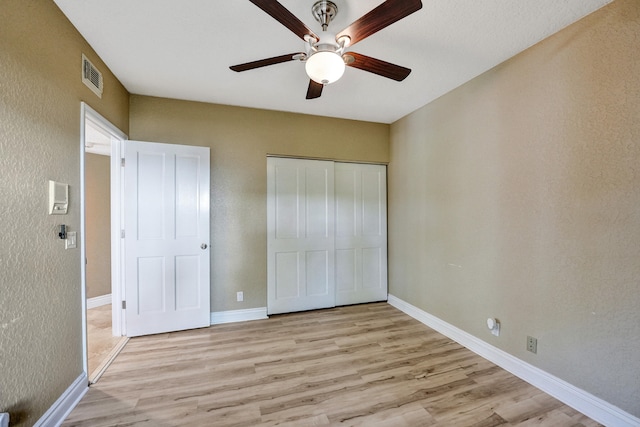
[360, 233]
[300, 235]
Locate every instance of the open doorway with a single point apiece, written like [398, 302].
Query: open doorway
[100, 246]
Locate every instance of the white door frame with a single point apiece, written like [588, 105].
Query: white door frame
[358, 241]
[117, 136]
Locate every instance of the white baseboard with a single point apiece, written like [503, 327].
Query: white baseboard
[65, 403]
[98, 301]
[590, 405]
[238, 315]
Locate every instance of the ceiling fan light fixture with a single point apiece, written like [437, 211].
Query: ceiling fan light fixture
[325, 67]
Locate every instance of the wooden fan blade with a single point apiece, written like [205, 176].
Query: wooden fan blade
[381, 17]
[377, 66]
[264, 62]
[314, 90]
[286, 18]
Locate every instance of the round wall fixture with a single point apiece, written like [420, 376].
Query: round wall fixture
[494, 326]
[491, 322]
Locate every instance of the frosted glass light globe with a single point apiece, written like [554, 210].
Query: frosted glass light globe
[325, 67]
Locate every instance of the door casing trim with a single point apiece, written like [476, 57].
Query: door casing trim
[117, 136]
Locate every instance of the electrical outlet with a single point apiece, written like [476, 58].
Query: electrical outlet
[532, 344]
[240, 296]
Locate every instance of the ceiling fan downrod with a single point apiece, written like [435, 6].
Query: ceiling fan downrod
[324, 11]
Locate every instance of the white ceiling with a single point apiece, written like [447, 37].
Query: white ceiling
[183, 49]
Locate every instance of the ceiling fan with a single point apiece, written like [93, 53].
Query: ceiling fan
[326, 56]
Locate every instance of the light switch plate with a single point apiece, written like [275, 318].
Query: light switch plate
[70, 241]
[4, 419]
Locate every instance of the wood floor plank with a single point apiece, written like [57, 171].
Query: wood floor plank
[366, 365]
[102, 346]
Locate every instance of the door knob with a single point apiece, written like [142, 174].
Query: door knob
[203, 246]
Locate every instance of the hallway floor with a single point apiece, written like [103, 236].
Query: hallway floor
[102, 344]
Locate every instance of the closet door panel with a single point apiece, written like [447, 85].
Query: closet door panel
[300, 235]
[345, 270]
[361, 233]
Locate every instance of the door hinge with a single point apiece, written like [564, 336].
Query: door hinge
[122, 234]
[122, 162]
[124, 305]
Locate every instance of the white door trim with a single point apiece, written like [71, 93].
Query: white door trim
[117, 136]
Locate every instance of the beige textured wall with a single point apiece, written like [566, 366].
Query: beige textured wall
[240, 140]
[517, 196]
[97, 178]
[40, 94]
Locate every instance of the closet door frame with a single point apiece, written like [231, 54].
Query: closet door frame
[326, 234]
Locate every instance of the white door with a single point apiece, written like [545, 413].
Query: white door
[300, 235]
[166, 243]
[361, 233]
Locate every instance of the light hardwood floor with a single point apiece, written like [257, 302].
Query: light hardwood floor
[101, 344]
[366, 365]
